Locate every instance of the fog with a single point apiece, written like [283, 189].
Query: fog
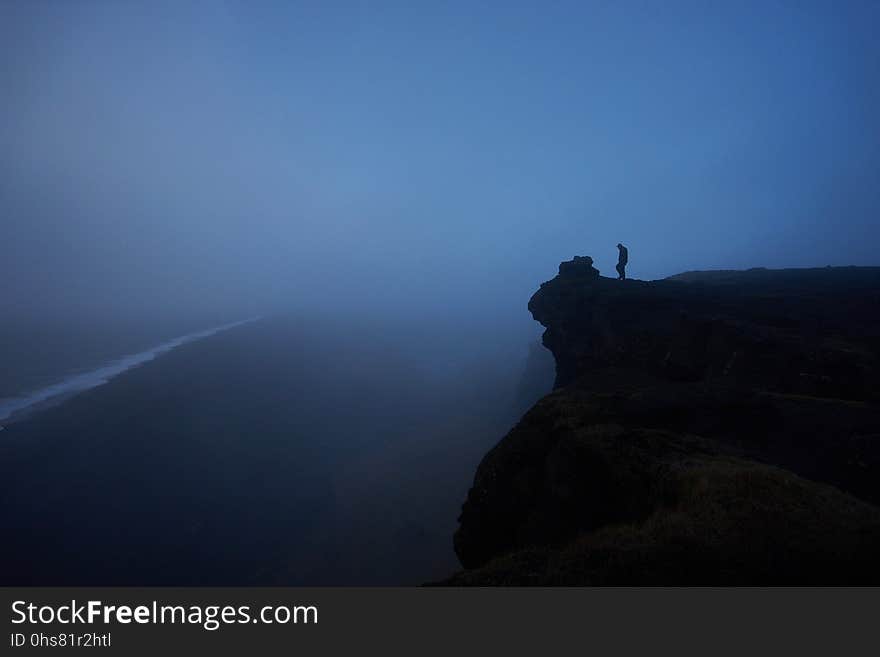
[396, 161]
[386, 185]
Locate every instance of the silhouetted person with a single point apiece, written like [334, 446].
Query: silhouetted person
[622, 259]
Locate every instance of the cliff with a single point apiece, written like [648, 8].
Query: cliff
[709, 428]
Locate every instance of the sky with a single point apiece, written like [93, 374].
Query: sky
[436, 158]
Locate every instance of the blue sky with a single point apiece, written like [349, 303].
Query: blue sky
[437, 156]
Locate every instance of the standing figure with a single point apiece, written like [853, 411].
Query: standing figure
[622, 259]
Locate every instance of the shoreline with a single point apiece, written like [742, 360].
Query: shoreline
[15, 409]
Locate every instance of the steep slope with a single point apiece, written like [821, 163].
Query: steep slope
[710, 428]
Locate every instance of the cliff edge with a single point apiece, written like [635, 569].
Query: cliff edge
[709, 428]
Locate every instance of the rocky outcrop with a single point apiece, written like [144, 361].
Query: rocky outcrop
[712, 428]
[812, 331]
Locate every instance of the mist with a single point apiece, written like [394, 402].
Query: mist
[392, 161]
[385, 185]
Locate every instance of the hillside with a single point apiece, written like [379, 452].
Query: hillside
[710, 428]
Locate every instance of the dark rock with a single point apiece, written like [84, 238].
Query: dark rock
[579, 267]
[697, 425]
[814, 332]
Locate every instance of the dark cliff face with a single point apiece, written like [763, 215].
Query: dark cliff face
[719, 427]
[812, 331]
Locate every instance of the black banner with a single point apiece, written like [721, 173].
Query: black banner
[150, 621]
